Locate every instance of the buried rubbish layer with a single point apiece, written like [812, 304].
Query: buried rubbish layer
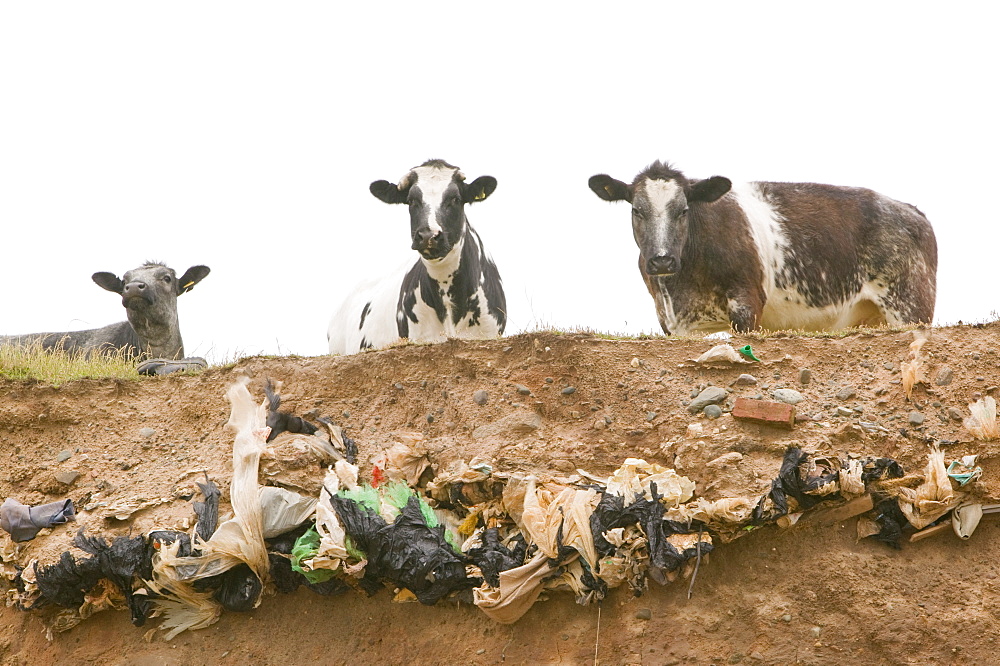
[498, 540]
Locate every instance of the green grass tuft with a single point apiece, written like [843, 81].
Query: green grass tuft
[55, 366]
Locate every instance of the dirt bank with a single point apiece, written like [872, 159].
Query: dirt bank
[809, 594]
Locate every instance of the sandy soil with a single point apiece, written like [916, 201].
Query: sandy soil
[808, 594]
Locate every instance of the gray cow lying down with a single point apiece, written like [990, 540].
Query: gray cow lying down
[152, 331]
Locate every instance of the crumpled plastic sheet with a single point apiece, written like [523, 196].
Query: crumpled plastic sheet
[931, 499]
[23, 522]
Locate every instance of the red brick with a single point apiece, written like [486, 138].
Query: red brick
[764, 411]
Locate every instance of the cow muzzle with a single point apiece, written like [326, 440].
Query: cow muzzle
[428, 243]
[663, 264]
[137, 295]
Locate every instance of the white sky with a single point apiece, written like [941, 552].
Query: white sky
[244, 135]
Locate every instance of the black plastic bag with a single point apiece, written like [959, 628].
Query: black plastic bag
[492, 557]
[66, 582]
[407, 553]
[121, 561]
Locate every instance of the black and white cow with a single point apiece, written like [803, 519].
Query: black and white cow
[775, 256]
[149, 294]
[452, 291]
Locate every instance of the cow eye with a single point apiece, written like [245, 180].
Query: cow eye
[166, 278]
[636, 214]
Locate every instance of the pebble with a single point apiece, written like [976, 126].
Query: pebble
[936, 403]
[786, 618]
[944, 376]
[64, 456]
[844, 411]
[805, 376]
[522, 389]
[710, 396]
[725, 459]
[147, 433]
[644, 614]
[67, 477]
[955, 413]
[888, 366]
[746, 380]
[916, 418]
[847, 393]
[398, 386]
[816, 631]
[569, 390]
[790, 396]
[430, 418]
[713, 411]
[480, 397]
[549, 380]
[650, 416]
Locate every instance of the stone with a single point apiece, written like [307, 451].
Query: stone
[650, 416]
[805, 376]
[522, 389]
[889, 366]
[430, 418]
[549, 380]
[916, 418]
[847, 393]
[398, 386]
[764, 411]
[713, 411]
[844, 411]
[148, 433]
[786, 618]
[565, 466]
[955, 414]
[64, 456]
[944, 376]
[518, 423]
[644, 614]
[710, 396]
[746, 380]
[67, 477]
[725, 459]
[791, 396]
[569, 390]
[480, 397]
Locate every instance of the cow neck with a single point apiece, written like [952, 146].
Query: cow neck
[446, 270]
[161, 341]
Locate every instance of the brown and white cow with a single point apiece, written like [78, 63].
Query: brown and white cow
[775, 256]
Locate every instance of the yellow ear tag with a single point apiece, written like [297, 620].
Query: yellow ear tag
[607, 188]
[480, 196]
[189, 284]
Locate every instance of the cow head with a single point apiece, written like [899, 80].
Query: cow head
[436, 193]
[149, 294]
[661, 198]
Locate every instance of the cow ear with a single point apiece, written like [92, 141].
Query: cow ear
[191, 277]
[710, 189]
[387, 192]
[109, 281]
[479, 189]
[610, 189]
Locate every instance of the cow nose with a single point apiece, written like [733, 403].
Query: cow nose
[422, 238]
[134, 288]
[664, 264]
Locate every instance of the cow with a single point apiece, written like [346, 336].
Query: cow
[452, 291]
[775, 256]
[149, 294]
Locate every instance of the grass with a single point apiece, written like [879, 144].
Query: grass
[755, 335]
[56, 366]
